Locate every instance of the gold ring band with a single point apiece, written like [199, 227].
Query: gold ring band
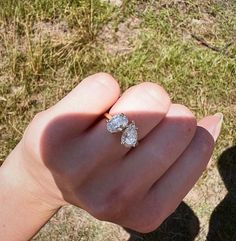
[108, 116]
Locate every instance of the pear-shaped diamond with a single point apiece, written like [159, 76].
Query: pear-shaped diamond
[117, 123]
[129, 137]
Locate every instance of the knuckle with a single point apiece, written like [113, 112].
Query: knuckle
[182, 110]
[103, 75]
[206, 142]
[186, 118]
[99, 211]
[106, 211]
[152, 219]
[105, 79]
[113, 205]
[156, 91]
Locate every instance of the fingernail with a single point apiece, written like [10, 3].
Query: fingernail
[218, 125]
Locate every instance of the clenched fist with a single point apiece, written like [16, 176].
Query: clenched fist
[67, 156]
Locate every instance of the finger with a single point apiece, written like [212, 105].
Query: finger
[208, 123]
[164, 197]
[146, 104]
[152, 158]
[90, 99]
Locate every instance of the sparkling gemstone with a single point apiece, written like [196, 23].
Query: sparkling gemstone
[117, 123]
[129, 137]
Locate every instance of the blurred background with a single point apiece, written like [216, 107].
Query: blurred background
[189, 47]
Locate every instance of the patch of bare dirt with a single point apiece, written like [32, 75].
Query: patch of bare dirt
[114, 2]
[72, 223]
[204, 26]
[14, 41]
[120, 40]
[57, 32]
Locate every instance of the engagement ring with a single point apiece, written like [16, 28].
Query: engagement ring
[120, 123]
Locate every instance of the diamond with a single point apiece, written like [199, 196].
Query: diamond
[117, 123]
[129, 137]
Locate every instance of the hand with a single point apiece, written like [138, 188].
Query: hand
[68, 156]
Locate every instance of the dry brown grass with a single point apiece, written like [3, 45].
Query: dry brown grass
[47, 47]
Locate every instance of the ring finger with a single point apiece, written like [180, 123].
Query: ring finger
[146, 104]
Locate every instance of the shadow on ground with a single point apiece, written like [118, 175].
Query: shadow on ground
[223, 220]
[182, 225]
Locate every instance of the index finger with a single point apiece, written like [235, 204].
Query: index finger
[91, 98]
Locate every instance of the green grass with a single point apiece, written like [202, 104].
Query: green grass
[39, 64]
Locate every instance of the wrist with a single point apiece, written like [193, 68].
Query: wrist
[15, 178]
[22, 210]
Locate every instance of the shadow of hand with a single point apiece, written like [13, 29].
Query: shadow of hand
[223, 220]
[182, 225]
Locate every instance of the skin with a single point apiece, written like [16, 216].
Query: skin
[67, 156]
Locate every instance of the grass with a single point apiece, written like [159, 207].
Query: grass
[46, 47]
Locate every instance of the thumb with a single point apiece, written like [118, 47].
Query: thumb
[212, 124]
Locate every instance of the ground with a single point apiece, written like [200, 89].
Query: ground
[189, 47]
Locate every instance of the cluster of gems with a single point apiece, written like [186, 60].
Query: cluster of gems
[120, 123]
